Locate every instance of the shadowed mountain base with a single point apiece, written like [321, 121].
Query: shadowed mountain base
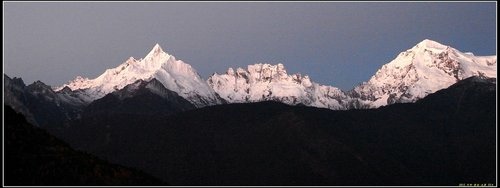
[447, 138]
[33, 157]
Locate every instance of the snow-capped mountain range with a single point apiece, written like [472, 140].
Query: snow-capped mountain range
[263, 82]
[174, 74]
[426, 68]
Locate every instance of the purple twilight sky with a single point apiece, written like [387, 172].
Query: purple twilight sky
[336, 43]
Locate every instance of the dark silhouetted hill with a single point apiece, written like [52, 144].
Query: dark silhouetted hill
[33, 157]
[447, 138]
[142, 98]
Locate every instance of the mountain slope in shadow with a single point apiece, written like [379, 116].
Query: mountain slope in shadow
[447, 138]
[141, 98]
[33, 157]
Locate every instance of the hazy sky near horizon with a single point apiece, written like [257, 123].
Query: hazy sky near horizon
[336, 43]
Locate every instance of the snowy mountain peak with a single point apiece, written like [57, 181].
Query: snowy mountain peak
[428, 46]
[157, 51]
[427, 43]
[264, 82]
[426, 68]
[423, 69]
[174, 74]
[268, 71]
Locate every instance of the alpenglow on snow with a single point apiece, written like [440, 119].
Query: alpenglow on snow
[264, 82]
[174, 74]
[424, 69]
[413, 74]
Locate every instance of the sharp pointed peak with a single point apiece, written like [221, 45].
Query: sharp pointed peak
[157, 47]
[155, 51]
